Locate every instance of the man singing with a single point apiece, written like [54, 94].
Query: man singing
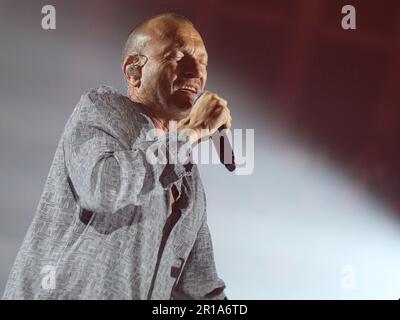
[110, 223]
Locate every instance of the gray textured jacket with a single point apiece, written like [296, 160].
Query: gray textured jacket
[105, 227]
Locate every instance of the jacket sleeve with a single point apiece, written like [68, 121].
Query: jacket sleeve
[106, 175]
[199, 279]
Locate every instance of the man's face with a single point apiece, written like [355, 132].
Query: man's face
[175, 72]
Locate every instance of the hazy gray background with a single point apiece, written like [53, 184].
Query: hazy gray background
[288, 230]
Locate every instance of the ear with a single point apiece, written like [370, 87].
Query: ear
[132, 69]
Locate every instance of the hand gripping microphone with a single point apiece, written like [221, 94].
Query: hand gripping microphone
[222, 146]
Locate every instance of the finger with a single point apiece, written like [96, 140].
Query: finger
[204, 95]
[218, 109]
[228, 124]
[222, 102]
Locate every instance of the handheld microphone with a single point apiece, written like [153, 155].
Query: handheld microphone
[222, 146]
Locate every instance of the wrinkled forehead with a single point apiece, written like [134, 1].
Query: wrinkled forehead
[182, 35]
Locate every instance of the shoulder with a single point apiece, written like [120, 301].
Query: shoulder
[104, 94]
[106, 99]
[109, 104]
[106, 108]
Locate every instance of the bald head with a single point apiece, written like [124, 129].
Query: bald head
[165, 65]
[155, 28]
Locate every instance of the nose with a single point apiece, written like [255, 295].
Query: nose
[191, 73]
[191, 69]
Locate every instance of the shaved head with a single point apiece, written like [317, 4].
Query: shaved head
[164, 62]
[160, 25]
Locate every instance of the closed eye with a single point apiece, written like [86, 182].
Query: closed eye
[174, 55]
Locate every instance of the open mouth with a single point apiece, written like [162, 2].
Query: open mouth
[190, 89]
